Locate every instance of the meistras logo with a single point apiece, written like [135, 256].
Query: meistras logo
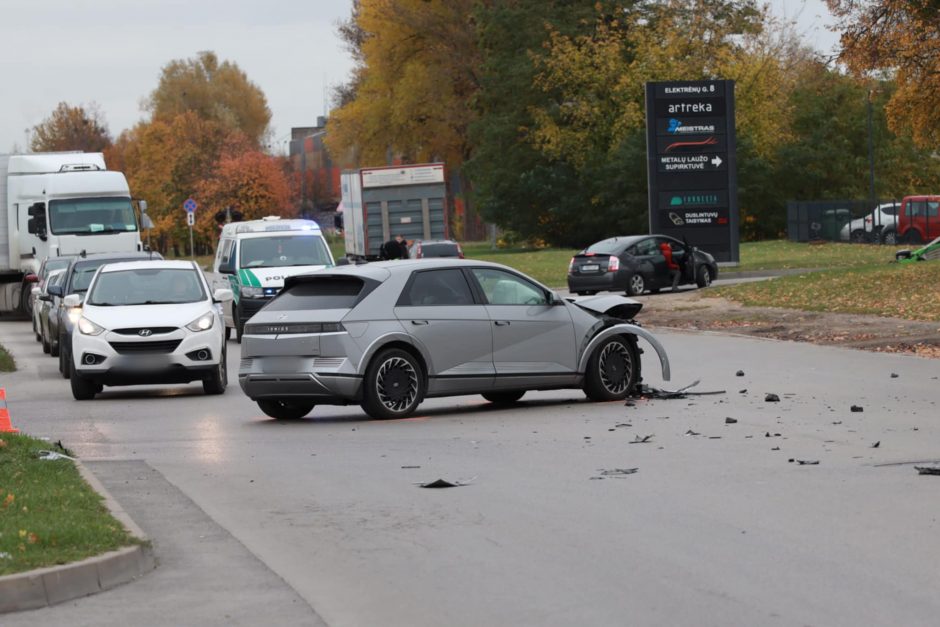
[676, 127]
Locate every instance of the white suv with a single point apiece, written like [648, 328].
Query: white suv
[880, 222]
[145, 322]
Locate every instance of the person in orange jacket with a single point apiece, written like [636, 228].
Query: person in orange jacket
[675, 272]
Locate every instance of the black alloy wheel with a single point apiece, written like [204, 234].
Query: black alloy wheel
[613, 370]
[394, 385]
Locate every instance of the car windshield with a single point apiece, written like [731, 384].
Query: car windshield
[319, 293]
[147, 286]
[283, 250]
[55, 264]
[91, 216]
[439, 249]
[611, 246]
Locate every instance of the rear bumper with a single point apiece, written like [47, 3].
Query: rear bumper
[322, 389]
[585, 282]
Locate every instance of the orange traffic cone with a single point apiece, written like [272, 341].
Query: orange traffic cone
[5, 425]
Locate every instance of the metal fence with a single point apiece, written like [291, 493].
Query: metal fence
[856, 221]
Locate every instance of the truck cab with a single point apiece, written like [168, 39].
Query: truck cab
[253, 258]
[59, 204]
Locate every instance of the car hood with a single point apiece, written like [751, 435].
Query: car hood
[610, 305]
[273, 277]
[176, 315]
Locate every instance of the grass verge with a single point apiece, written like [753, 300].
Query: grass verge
[907, 291]
[7, 363]
[48, 514]
[784, 254]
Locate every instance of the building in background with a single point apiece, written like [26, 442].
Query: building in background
[317, 176]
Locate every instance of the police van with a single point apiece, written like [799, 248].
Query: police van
[254, 257]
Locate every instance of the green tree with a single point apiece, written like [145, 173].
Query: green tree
[220, 92]
[71, 128]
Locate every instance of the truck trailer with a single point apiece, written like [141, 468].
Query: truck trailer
[380, 203]
[57, 204]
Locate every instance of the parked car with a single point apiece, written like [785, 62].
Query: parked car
[431, 248]
[635, 264]
[48, 265]
[880, 223]
[78, 278]
[388, 335]
[145, 322]
[47, 305]
[918, 220]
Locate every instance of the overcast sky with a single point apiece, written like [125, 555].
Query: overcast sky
[111, 52]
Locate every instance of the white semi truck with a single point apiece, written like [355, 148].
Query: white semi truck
[58, 204]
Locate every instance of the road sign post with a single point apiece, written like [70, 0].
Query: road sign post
[692, 161]
[190, 207]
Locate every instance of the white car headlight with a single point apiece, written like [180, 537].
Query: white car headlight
[87, 327]
[252, 292]
[202, 323]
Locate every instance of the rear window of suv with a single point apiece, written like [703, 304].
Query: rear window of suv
[319, 293]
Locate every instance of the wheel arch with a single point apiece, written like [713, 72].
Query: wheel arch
[626, 329]
[395, 340]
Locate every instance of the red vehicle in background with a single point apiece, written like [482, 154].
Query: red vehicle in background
[919, 219]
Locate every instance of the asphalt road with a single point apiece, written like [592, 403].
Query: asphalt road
[716, 528]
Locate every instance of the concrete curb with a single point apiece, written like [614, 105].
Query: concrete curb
[55, 584]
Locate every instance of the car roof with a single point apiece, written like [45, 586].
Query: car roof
[117, 256]
[156, 264]
[435, 241]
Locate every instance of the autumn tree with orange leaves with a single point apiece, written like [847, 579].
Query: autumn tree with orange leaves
[202, 141]
[897, 38]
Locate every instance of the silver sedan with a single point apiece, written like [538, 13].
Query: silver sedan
[388, 335]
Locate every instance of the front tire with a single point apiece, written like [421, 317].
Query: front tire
[239, 327]
[46, 347]
[890, 238]
[216, 382]
[82, 388]
[912, 236]
[65, 362]
[636, 285]
[285, 410]
[503, 398]
[613, 370]
[858, 236]
[703, 278]
[54, 347]
[394, 385]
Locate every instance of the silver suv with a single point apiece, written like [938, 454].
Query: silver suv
[388, 335]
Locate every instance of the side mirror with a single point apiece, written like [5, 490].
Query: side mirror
[342, 261]
[555, 300]
[222, 295]
[143, 205]
[72, 301]
[37, 219]
[55, 290]
[227, 266]
[35, 291]
[145, 221]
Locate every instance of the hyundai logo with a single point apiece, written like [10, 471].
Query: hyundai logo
[145, 333]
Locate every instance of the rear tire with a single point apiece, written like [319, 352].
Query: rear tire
[912, 236]
[54, 347]
[613, 370]
[890, 238]
[216, 382]
[82, 388]
[393, 385]
[285, 410]
[504, 398]
[703, 278]
[636, 285]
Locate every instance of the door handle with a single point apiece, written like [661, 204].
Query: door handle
[503, 323]
[419, 322]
